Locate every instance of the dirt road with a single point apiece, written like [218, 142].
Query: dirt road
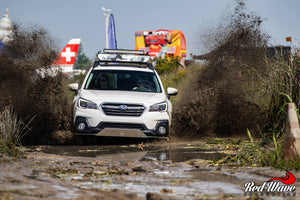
[157, 170]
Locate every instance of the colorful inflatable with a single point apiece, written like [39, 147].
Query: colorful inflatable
[162, 43]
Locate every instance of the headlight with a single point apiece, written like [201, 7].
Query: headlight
[83, 103]
[159, 107]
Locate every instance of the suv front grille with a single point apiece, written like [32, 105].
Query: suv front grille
[119, 109]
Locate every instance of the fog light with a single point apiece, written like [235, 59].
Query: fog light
[162, 130]
[81, 126]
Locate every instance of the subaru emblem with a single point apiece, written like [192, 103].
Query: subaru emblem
[123, 107]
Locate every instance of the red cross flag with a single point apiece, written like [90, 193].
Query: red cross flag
[68, 54]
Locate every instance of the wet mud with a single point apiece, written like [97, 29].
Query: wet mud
[155, 170]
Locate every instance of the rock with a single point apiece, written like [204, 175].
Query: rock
[198, 163]
[38, 149]
[201, 163]
[99, 163]
[165, 190]
[76, 162]
[153, 196]
[138, 169]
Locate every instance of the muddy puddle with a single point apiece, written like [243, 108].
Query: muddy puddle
[174, 171]
[180, 153]
[135, 171]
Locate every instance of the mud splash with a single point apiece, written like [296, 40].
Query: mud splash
[222, 97]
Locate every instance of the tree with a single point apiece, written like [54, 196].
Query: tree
[82, 61]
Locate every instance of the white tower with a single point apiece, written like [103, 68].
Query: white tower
[5, 27]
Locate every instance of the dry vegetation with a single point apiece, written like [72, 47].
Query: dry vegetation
[30, 94]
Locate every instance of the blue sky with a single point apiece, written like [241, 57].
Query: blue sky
[66, 19]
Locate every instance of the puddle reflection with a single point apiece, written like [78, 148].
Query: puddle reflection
[126, 153]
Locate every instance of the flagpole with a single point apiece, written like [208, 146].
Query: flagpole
[106, 11]
[289, 39]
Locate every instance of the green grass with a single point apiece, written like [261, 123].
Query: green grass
[254, 152]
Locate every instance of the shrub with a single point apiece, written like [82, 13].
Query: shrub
[167, 65]
[31, 94]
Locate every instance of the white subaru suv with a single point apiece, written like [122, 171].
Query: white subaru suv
[122, 96]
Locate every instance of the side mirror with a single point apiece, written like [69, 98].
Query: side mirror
[74, 87]
[171, 91]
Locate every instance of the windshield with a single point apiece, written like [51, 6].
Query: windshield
[123, 80]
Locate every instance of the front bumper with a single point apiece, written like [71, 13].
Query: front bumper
[115, 129]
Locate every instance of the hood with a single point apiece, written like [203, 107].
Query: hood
[100, 96]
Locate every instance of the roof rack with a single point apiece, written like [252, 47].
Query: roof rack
[113, 57]
[124, 51]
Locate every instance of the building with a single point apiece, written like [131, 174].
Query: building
[5, 27]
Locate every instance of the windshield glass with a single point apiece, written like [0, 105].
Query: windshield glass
[123, 80]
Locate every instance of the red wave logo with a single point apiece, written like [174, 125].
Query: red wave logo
[288, 179]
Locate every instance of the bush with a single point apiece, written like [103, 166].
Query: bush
[167, 65]
[31, 94]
